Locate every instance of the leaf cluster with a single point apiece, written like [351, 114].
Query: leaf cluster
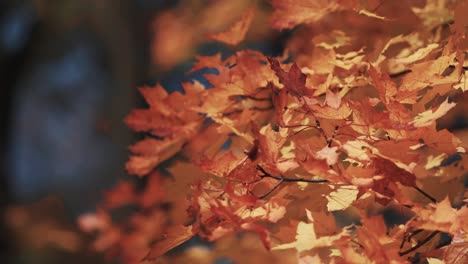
[298, 158]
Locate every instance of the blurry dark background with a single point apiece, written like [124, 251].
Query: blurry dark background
[68, 76]
[68, 72]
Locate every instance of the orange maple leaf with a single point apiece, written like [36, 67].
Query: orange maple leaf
[237, 32]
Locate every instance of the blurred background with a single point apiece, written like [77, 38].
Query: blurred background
[68, 76]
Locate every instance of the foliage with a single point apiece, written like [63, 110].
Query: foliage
[298, 158]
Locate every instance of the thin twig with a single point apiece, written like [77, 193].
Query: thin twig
[425, 194]
[280, 180]
[317, 122]
[408, 236]
[272, 189]
[285, 179]
[419, 244]
[333, 136]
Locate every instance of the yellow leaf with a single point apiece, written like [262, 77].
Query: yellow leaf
[342, 198]
[306, 239]
[427, 117]
[433, 162]
[435, 261]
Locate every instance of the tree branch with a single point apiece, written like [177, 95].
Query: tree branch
[272, 189]
[419, 244]
[282, 179]
[425, 194]
[285, 179]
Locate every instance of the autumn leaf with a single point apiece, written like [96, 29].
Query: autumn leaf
[341, 198]
[293, 80]
[443, 217]
[173, 237]
[393, 173]
[328, 154]
[426, 118]
[150, 152]
[456, 253]
[280, 155]
[376, 243]
[291, 13]
[306, 239]
[237, 32]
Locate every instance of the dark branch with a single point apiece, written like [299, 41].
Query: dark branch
[408, 236]
[285, 179]
[272, 189]
[282, 179]
[333, 136]
[425, 194]
[419, 244]
[317, 122]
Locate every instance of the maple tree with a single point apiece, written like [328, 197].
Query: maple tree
[295, 159]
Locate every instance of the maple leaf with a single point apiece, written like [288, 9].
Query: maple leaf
[306, 238]
[456, 252]
[237, 32]
[290, 13]
[358, 149]
[328, 154]
[269, 142]
[227, 219]
[397, 151]
[428, 73]
[178, 31]
[150, 152]
[170, 116]
[426, 118]
[271, 211]
[419, 54]
[442, 217]
[441, 140]
[341, 198]
[265, 155]
[221, 165]
[333, 100]
[386, 88]
[172, 237]
[375, 241]
[294, 80]
[184, 175]
[393, 173]
[342, 112]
